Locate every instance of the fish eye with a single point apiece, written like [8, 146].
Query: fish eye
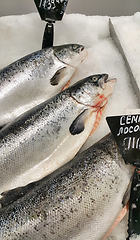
[94, 79]
[75, 47]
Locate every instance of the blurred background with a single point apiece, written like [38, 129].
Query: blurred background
[88, 7]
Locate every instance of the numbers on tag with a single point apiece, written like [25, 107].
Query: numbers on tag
[50, 4]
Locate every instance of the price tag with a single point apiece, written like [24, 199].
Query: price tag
[126, 131]
[51, 10]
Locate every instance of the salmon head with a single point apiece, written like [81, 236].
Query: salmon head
[94, 90]
[71, 54]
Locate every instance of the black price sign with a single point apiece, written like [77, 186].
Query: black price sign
[51, 10]
[126, 131]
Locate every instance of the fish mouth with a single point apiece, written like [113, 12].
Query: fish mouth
[110, 79]
[103, 80]
[84, 55]
[107, 84]
[106, 78]
[106, 81]
[110, 82]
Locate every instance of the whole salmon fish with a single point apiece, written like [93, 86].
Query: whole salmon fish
[36, 77]
[50, 134]
[79, 201]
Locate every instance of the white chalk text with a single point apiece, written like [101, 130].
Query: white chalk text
[131, 143]
[49, 4]
[125, 121]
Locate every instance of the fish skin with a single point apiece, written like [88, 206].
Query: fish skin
[40, 141]
[79, 201]
[36, 77]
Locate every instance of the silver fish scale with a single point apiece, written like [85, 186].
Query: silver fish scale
[28, 77]
[72, 201]
[40, 59]
[29, 136]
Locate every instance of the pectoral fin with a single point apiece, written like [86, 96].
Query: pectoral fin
[78, 125]
[12, 195]
[58, 76]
